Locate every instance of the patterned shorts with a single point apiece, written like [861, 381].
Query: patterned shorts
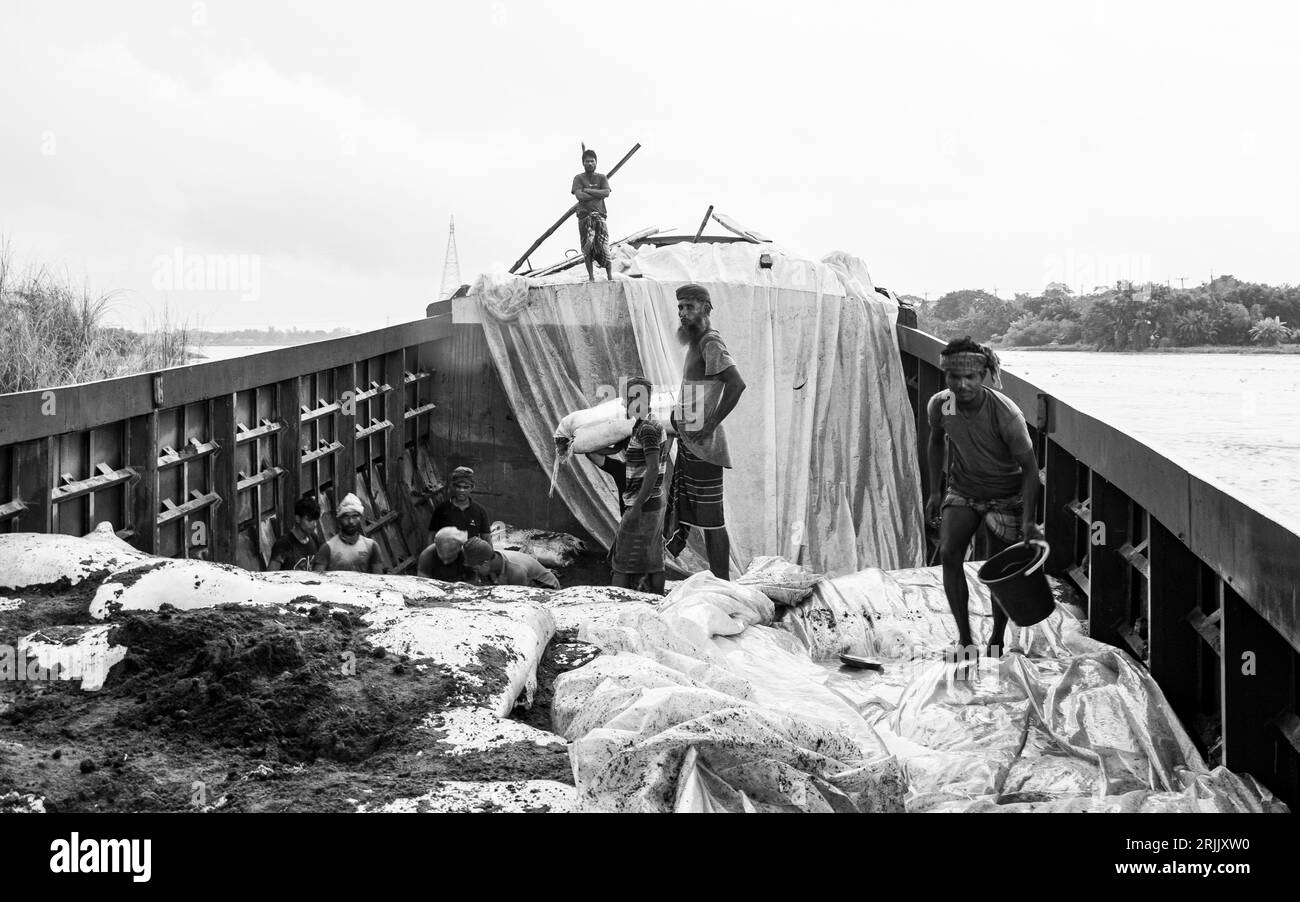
[1002, 516]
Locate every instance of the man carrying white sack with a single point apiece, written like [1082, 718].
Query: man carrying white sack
[349, 550]
[638, 544]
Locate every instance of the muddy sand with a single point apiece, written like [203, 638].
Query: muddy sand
[241, 708]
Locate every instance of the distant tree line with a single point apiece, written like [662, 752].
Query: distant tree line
[1128, 317]
[267, 336]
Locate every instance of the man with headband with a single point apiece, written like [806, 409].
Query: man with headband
[711, 386]
[992, 475]
[591, 188]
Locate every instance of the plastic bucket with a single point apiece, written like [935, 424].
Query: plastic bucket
[1015, 577]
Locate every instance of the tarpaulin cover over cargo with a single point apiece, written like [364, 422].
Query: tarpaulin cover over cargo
[822, 441]
[701, 701]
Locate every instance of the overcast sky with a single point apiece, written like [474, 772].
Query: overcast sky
[950, 146]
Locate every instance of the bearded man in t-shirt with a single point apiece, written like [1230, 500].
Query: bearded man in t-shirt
[711, 386]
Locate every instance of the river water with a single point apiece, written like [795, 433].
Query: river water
[1233, 419]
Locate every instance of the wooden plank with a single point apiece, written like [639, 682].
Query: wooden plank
[1207, 627]
[198, 501]
[224, 532]
[345, 422]
[247, 482]
[11, 509]
[266, 428]
[1108, 573]
[320, 410]
[288, 448]
[142, 505]
[34, 483]
[67, 490]
[29, 415]
[193, 450]
[394, 409]
[1173, 596]
[1258, 676]
[325, 448]
[376, 426]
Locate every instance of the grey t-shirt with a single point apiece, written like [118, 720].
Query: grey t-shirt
[982, 444]
[699, 397]
[596, 180]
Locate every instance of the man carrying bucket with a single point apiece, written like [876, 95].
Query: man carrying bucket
[992, 475]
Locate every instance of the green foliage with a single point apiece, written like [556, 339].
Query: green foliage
[1226, 311]
[1269, 331]
[52, 333]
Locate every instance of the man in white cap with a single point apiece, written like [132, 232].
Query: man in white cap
[349, 550]
[443, 560]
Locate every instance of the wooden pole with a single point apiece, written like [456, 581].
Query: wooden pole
[703, 223]
[559, 222]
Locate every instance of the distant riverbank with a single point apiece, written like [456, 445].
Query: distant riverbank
[1194, 349]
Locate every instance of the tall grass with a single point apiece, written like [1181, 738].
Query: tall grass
[53, 332]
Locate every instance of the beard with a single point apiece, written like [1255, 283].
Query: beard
[688, 332]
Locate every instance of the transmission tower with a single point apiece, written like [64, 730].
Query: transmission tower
[450, 266]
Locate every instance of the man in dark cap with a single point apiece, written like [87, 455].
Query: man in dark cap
[711, 386]
[591, 188]
[460, 509]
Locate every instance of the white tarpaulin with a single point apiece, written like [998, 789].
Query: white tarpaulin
[1061, 722]
[822, 439]
[697, 705]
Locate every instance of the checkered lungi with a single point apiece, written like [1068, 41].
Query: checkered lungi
[1002, 516]
[593, 232]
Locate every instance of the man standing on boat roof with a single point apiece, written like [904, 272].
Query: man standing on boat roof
[591, 188]
[711, 386]
[992, 474]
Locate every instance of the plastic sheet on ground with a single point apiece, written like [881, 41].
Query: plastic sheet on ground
[822, 441]
[73, 652]
[701, 675]
[1061, 722]
[552, 549]
[29, 559]
[783, 582]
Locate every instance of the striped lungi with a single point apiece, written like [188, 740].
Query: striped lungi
[695, 495]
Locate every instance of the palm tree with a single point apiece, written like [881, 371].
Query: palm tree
[1194, 327]
[1269, 331]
